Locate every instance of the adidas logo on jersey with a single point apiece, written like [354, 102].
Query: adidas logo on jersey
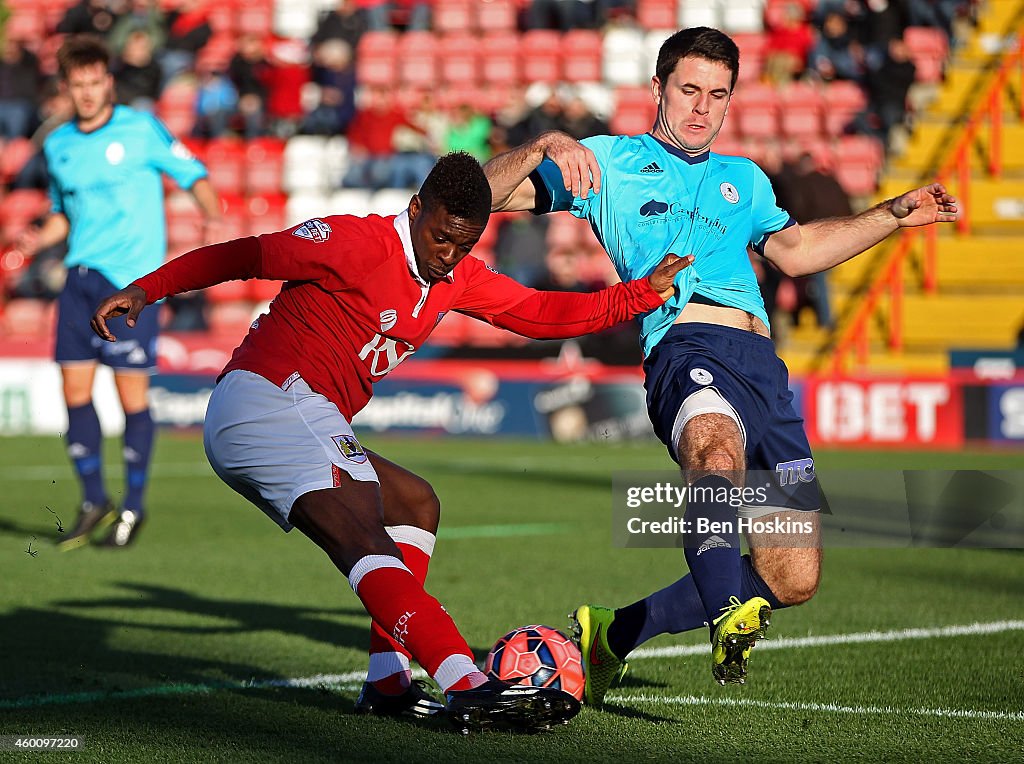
[651, 169]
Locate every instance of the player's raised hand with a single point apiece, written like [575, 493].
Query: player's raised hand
[580, 171]
[664, 275]
[925, 205]
[130, 300]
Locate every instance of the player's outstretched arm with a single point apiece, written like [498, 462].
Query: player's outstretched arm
[508, 173]
[822, 244]
[546, 315]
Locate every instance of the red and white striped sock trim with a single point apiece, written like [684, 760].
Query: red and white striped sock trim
[454, 669]
[413, 536]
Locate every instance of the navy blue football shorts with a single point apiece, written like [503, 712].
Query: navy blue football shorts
[84, 290]
[704, 368]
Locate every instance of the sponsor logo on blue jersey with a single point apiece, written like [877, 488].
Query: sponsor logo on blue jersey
[653, 207]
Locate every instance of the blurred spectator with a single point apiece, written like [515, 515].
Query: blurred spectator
[468, 131]
[836, 55]
[188, 312]
[55, 109]
[788, 46]
[579, 122]
[20, 82]
[888, 84]
[136, 74]
[563, 273]
[248, 71]
[561, 14]
[521, 245]
[216, 104]
[334, 73]
[88, 17]
[386, 150]
[432, 120]
[285, 78]
[343, 22]
[143, 15]
[881, 22]
[546, 116]
[935, 13]
[412, 15]
[188, 31]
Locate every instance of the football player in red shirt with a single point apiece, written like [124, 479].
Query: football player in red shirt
[361, 295]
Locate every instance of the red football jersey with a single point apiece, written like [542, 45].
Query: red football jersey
[354, 306]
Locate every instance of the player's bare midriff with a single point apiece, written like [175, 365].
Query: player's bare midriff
[712, 314]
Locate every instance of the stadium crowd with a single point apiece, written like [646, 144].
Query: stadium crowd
[252, 83]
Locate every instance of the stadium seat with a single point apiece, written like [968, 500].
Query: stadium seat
[860, 150]
[460, 62]
[294, 19]
[624, 58]
[452, 16]
[184, 222]
[230, 318]
[225, 161]
[634, 111]
[417, 59]
[656, 14]
[540, 56]
[742, 16]
[335, 160]
[266, 213]
[350, 201]
[451, 330]
[28, 23]
[928, 70]
[264, 166]
[800, 108]
[304, 166]
[216, 54]
[304, 206]
[234, 217]
[581, 59]
[698, 13]
[255, 17]
[390, 201]
[19, 208]
[25, 318]
[496, 16]
[500, 59]
[843, 101]
[928, 42]
[857, 179]
[223, 16]
[758, 110]
[376, 55]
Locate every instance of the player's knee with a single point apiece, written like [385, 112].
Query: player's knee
[425, 507]
[796, 589]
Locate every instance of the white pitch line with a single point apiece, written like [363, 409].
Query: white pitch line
[829, 640]
[693, 700]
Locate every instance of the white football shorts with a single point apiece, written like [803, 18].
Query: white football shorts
[273, 444]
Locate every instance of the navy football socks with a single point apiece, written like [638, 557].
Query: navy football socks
[676, 608]
[85, 442]
[138, 445]
[712, 543]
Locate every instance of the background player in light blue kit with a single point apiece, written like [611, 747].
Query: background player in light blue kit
[717, 393]
[105, 185]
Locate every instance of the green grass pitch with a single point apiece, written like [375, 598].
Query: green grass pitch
[192, 646]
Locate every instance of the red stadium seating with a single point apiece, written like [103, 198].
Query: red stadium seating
[19, 208]
[856, 179]
[13, 156]
[500, 59]
[234, 217]
[216, 54]
[581, 58]
[264, 162]
[657, 14]
[452, 15]
[540, 56]
[225, 161]
[843, 101]
[266, 213]
[634, 111]
[758, 110]
[460, 59]
[800, 108]
[255, 17]
[496, 16]
[417, 60]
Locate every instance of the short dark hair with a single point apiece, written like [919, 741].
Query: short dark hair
[457, 183]
[80, 51]
[701, 42]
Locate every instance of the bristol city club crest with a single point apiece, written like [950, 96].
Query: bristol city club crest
[315, 230]
[350, 448]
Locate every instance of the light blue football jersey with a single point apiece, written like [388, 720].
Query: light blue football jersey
[656, 199]
[108, 185]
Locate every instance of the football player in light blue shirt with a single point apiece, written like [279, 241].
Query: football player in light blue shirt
[106, 191]
[717, 393]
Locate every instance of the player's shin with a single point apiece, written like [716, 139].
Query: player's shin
[415, 620]
[389, 670]
[85, 440]
[138, 445]
[712, 544]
